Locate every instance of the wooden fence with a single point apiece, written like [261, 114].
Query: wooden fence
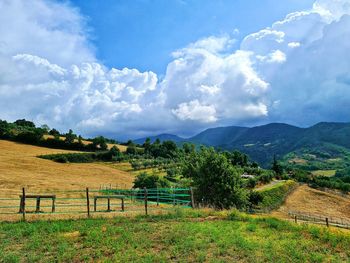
[320, 219]
[89, 201]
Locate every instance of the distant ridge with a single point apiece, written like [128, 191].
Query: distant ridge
[261, 143]
[161, 137]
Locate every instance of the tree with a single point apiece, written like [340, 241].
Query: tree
[100, 143]
[54, 132]
[46, 128]
[80, 140]
[150, 181]
[216, 181]
[24, 123]
[70, 137]
[147, 145]
[276, 167]
[188, 147]
[131, 149]
[115, 151]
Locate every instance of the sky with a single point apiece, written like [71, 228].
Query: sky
[129, 69]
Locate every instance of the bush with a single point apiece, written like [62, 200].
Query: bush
[61, 159]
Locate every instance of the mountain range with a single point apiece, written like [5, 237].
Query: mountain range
[261, 143]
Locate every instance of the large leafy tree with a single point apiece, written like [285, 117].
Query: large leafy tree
[217, 181]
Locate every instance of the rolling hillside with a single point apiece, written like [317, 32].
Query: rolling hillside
[324, 141]
[20, 167]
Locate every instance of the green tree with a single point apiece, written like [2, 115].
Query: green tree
[24, 123]
[150, 181]
[54, 132]
[100, 143]
[147, 145]
[216, 181]
[276, 167]
[70, 137]
[46, 128]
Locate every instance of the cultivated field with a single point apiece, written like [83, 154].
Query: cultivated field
[315, 202]
[19, 167]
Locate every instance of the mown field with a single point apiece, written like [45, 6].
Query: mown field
[316, 202]
[19, 166]
[192, 236]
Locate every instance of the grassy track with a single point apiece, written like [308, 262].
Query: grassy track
[192, 236]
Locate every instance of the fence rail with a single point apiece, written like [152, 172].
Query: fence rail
[320, 219]
[93, 201]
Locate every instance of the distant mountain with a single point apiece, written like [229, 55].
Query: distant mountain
[218, 136]
[161, 137]
[261, 143]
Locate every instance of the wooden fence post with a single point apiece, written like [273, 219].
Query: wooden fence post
[37, 210]
[295, 219]
[24, 204]
[192, 197]
[327, 223]
[157, 197]
[145, 197]
[87, 201]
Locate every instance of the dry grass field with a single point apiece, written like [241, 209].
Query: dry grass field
[315, 202]
[20, 167]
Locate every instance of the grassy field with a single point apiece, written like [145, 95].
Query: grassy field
[126, 167]
[328, 173]
[193, 236]
[19, 167]
[315, 202]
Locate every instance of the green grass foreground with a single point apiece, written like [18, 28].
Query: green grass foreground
[183, 236]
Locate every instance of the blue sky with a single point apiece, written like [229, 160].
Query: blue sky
[143, 33]
[128, 69]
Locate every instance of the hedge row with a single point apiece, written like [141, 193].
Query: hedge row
[274, 196]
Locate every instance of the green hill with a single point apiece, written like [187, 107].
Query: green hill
[325, 145]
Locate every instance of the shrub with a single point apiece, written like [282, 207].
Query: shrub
[61, 159]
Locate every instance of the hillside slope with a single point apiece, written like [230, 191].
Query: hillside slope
[326, 140]
[161, 137]
[20, 167]
[316, 203]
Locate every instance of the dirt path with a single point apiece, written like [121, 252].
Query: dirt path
[262, 187]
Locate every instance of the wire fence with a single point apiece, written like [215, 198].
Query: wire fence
[320, 219]
[89, 202]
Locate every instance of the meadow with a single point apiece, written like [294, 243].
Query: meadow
[181, 236]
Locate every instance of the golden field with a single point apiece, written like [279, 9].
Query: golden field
[315, 202]
[19, 167]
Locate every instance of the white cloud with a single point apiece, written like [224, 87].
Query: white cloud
[294, 44]
[295, 70]
[194, 111]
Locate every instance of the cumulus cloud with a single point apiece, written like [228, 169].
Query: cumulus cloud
[291, 71]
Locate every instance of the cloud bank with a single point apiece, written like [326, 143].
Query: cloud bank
[296, 71]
